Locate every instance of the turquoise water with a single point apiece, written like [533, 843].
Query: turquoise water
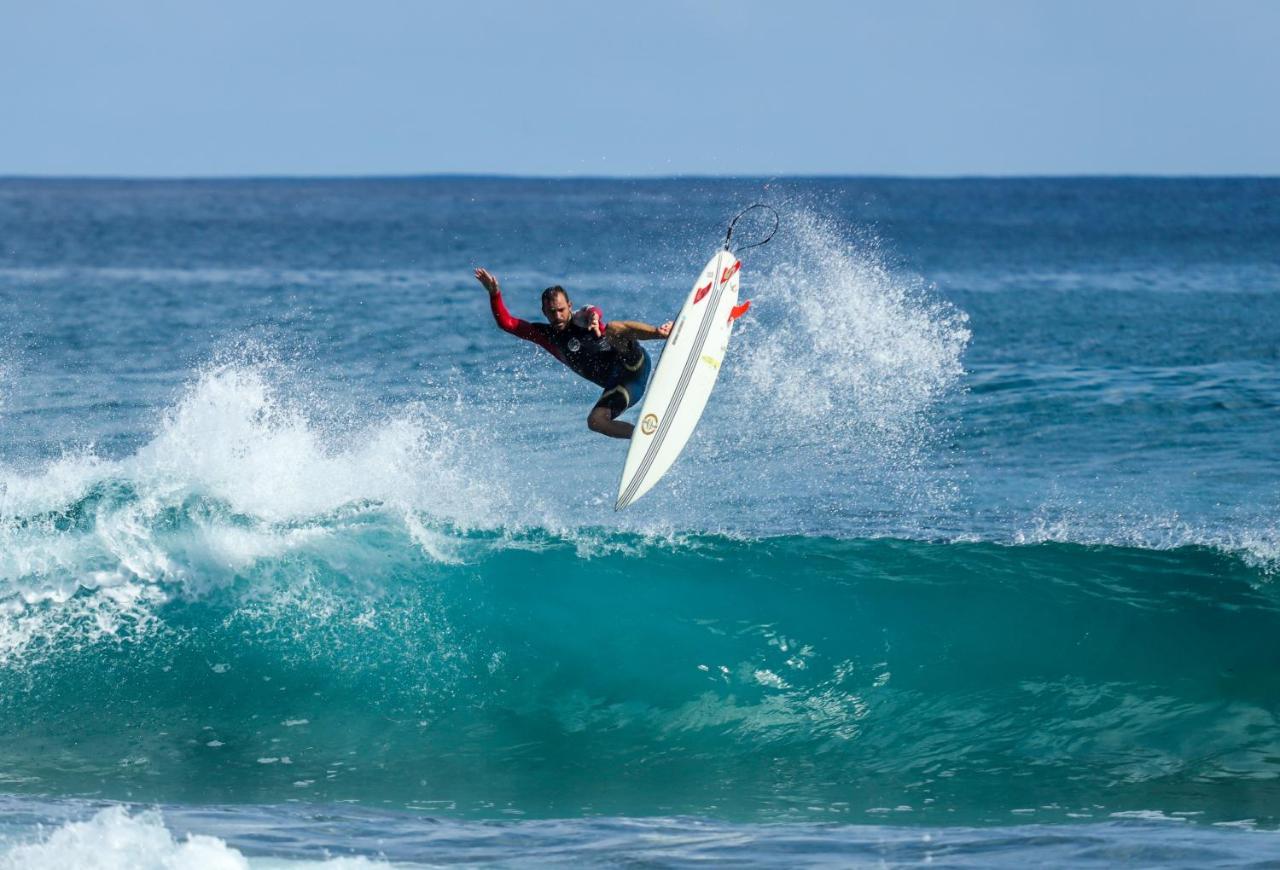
[976, 546]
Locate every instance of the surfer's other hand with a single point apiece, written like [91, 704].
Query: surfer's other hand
[485, 277]
[665, 329]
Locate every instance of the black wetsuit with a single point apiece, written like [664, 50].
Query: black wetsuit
[621, 366]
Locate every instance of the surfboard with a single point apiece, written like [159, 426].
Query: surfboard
[682, 382]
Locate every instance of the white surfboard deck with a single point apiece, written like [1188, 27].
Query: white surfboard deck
[683, 380]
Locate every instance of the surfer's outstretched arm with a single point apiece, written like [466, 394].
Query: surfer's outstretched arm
[506, 322]
[638, 330]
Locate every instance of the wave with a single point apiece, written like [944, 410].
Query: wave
[191, 650]
[270, 599]
[238, 471]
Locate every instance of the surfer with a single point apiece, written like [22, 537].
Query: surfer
[607, 354]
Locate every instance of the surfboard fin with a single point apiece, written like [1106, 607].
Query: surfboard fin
[739, 310]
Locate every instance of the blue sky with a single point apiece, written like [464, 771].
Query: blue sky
[920, 87]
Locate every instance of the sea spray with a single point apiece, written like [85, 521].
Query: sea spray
[848, 363]
[850, 342]
[838, 375]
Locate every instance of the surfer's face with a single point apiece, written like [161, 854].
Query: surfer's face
[557, 310]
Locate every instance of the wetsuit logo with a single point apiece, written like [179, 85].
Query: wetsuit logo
[649, 424]
[574, 345]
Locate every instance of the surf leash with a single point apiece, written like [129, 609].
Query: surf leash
[729, 235]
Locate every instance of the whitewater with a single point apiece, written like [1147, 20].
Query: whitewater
[303, 561]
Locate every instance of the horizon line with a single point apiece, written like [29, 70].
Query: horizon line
[503, 176]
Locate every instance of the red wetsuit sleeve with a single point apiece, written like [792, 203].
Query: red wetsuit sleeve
[517, 327]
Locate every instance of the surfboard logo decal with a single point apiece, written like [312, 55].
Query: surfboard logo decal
[729, 271]
[649, 423]
[702, 293]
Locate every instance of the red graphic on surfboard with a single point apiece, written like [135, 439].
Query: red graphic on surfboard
[728, 273]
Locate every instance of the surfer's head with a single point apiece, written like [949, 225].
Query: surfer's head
[556, 306]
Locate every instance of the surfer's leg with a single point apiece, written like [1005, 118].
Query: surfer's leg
[603, 417]
[601, 420]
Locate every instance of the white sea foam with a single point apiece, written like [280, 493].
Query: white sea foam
[113, 839]
[235, 439]
[235, 474]
[1258, 547]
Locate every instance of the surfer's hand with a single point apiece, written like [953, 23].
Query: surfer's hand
[485, 277]
[588, 317]
[665, 329]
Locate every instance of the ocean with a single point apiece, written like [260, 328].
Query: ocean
[972, 560]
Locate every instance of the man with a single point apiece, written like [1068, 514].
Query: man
[608, 354]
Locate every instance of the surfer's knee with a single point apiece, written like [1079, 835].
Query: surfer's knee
[599, 419]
